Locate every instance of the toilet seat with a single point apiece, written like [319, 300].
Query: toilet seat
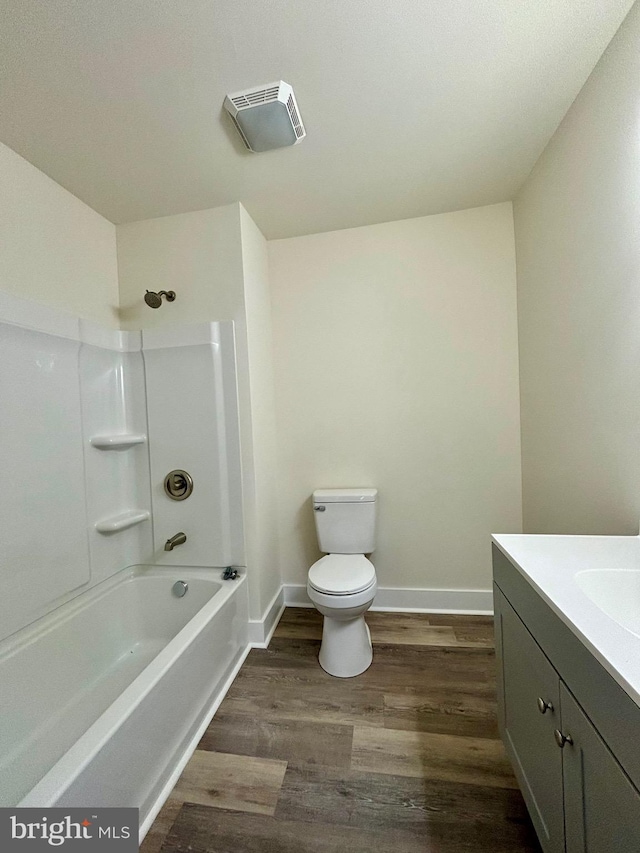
[342, 574]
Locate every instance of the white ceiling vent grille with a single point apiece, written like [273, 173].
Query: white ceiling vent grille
[259, 96]
[295, 116]
[266, 117]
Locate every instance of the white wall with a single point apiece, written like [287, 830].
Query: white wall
[215, 260]
[54, 249]
[395, 352]
[577, 219]
[261, 505]
[196, 254]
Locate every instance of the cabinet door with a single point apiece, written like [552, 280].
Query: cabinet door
[602, 807]
[527, 684]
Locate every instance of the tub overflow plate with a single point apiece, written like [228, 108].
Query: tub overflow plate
[178, 485]
[180, 588]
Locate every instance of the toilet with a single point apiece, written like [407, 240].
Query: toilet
[342, 585]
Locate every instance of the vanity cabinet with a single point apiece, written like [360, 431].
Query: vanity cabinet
[529, 706]
[602, 807]
[565, 724]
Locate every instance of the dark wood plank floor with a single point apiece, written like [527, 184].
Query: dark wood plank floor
[405, 757]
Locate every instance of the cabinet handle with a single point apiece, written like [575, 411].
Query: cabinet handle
[562, 739]
[543, 706]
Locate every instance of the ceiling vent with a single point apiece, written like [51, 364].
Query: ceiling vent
[267, 117]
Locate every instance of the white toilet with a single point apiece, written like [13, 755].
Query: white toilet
[343, 584]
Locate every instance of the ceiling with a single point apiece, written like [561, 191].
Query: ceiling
[411, 106]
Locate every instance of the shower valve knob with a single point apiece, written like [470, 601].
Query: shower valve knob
[178, 485]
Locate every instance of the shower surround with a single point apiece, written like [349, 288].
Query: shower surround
[93, 420]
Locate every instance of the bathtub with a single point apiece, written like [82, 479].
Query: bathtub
[102, 700]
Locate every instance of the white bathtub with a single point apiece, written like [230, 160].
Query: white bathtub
[101, 699]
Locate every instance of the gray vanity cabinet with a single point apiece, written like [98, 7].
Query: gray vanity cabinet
[529, 705]
[602, 807]
[572, 734]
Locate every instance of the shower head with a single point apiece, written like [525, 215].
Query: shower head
[154, 300]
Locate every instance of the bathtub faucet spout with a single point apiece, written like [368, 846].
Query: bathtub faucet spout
[178, 539]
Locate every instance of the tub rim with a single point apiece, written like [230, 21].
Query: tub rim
[90, 742]
[39, 627]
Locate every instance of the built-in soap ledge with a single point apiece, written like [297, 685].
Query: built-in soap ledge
[117, 441]
[123, 521]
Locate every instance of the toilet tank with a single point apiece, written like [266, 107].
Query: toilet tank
[345, 520]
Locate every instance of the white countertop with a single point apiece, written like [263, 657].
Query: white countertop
[550, 564]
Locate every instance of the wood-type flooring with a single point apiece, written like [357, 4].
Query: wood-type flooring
[405, 757]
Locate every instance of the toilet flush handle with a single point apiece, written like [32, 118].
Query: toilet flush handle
[319, 508]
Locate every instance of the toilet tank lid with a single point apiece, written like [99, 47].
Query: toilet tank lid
[327, 496]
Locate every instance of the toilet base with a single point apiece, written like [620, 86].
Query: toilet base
[346, 648]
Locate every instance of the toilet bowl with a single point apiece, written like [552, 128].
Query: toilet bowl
[342, 587]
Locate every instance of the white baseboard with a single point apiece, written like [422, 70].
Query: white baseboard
[261, 630]
[473, 602]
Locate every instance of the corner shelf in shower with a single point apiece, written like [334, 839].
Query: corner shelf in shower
[115, 523]
[117, 441]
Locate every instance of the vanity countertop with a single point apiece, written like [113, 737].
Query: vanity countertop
[561, 568]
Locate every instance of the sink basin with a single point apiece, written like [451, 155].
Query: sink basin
[616, 592]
